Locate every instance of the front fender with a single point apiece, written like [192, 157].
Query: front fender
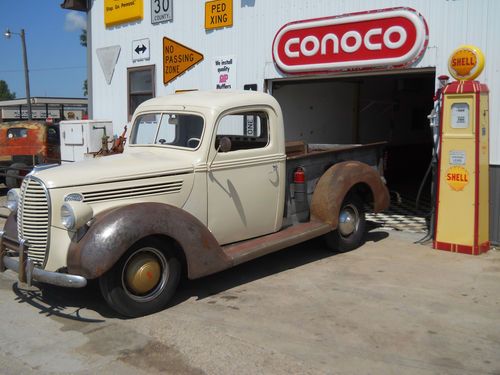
[114, 231]
[337, 181]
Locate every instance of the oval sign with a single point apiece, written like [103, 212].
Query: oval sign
[466, 63]
[393, 37]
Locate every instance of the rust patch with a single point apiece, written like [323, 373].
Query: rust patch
[113, 232]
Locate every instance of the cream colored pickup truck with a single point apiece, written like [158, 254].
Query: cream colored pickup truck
[206, 182]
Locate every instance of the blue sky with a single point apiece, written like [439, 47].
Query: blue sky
[57, 62]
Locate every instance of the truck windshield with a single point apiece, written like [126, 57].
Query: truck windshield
[169, 129]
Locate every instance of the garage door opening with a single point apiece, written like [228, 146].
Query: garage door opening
[390, 108]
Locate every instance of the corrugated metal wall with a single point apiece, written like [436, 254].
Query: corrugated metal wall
[249, 40]
[495, 205]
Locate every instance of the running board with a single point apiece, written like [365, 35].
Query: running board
[244, 251]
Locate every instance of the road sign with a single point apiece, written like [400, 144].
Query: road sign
[218, 13]
[162, 11]
[177, 58]
[140, 50]
[117, 12]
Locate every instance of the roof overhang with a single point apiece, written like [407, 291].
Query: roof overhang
[80, 5]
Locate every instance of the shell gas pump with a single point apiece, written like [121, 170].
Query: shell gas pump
[462, 197]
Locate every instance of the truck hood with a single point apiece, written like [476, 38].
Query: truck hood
[122, 167]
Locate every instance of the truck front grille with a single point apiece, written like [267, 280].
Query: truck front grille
[33, 219]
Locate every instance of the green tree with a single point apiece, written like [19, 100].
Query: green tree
[83, 42]
[5, 93]
[83, 38]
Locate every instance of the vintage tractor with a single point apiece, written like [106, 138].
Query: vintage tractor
[24, 144]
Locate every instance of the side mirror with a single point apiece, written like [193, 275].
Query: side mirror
[224, 144]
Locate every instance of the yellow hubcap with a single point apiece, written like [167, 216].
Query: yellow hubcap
[143, 273]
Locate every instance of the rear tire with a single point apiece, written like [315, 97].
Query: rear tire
[351, 227]
[143, 281]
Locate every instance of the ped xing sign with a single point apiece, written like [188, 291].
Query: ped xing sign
[218, 14]
[394, 37]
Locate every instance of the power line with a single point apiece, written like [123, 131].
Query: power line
[44, 69]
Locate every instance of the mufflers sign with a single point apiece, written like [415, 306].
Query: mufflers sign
[393, 37]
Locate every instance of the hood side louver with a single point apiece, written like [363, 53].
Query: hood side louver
[133, 192]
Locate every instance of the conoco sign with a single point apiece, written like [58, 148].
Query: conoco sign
[393, 37]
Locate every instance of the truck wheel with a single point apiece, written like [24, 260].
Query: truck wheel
[143, 281]
[351, 227]
[11, 180]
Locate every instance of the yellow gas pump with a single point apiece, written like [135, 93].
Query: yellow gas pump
[462, 212]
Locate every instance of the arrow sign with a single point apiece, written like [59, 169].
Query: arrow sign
[140, 50]
[177, 59]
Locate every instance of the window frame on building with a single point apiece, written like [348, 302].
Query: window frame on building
[130, 95]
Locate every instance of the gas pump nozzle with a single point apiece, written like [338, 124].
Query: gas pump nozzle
[434, 121]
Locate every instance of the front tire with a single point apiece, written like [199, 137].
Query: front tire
[351, 227]
[143, 281]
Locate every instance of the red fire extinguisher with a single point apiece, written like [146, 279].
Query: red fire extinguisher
[300, 194]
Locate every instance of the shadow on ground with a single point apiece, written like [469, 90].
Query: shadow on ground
[72, 303]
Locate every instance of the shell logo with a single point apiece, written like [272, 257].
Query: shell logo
[457, 178]
[466, 63]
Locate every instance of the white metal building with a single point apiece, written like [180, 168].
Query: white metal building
[384, 102]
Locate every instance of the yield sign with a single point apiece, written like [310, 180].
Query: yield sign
[177, 58]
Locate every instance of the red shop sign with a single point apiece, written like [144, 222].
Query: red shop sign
[394, 37]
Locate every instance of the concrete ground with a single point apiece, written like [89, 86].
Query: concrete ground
[389, 307]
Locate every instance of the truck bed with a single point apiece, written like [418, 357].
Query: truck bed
[300, 150]
[316, 159]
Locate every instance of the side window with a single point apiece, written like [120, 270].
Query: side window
[17, 133]
[141, 86]
[246, 130]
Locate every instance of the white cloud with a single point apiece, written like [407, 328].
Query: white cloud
[75, 21]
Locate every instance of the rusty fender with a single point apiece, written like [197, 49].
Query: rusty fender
[336, 182]
[113, 232]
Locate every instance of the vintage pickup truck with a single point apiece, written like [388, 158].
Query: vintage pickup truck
[206, 182]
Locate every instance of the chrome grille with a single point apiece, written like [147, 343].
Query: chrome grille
[33, 219]
[133, 192]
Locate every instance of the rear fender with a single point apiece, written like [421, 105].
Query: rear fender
[335, 184]
[114, 231]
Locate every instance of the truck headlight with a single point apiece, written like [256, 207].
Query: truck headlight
[13, 199]
[75, 215]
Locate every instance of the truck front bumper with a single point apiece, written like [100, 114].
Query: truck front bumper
[16, 259]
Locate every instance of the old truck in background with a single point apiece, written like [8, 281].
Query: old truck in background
[207, 181]
[24, 144]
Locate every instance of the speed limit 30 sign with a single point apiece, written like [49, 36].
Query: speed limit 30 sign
[161, 11]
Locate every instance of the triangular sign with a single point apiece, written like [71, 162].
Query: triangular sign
[108, 56]
[177, 58]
